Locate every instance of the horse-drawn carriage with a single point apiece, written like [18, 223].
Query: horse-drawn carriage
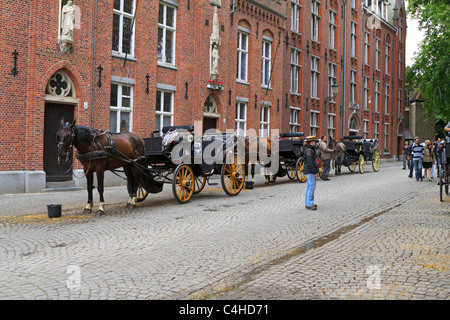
[444, 170]
[289, 157]
[359, 151]
[177, 157]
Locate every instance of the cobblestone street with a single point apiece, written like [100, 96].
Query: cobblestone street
[374, 236]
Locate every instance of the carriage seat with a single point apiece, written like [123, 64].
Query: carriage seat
[352, 137]
[292, 135]
[189, 127]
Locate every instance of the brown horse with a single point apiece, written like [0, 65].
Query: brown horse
[99, 151]
[254, 147]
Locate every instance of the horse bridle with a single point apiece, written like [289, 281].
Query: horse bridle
[63, 143]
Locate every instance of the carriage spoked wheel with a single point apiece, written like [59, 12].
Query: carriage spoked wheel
[362, 163]
[301, 176]
[376, 161]
[233, 175]
[352, 167]
[291, 171]
[321, 170]
[199, 184]
[141, 193]
[183, 183]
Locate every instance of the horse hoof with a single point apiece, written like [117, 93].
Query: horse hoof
[100, 213]
[87, 211]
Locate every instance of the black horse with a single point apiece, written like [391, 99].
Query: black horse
[99, 151]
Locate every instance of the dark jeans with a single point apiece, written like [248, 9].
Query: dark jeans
[326, 168]
[418, 168]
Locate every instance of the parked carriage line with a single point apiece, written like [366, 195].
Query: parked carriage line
[176, 156]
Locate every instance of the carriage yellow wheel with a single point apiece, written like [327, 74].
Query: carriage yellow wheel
[199, 184]
[301, 176]
[321, 170]
[376, 161]
[291, 171]
[141, 193]
[352, 167]
[183, 183]
[233, 175]
[362, 164]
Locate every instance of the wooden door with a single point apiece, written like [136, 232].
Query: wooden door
[52, 120]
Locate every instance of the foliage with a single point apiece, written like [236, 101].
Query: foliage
[430, 72]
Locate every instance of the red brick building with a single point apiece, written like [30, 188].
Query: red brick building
[139, 65]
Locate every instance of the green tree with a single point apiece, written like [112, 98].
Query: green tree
[430, 72]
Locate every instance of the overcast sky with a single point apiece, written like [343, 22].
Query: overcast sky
[413, 38]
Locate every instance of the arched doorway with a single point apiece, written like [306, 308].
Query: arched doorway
[60, 101]
[210, 114]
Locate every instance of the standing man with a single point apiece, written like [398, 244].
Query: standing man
[325, 155]
[406, 155]
[311, 171]
[418, 151]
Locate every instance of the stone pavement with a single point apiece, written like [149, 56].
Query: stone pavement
[374, 236]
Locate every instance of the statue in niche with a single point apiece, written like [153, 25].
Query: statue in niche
[215, 42]
[68, 18]
[67, 26]
[215, 59]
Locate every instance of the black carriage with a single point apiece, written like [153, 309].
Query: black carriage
[359, 151]
[291, 160]
[179, 158]
[444, 170]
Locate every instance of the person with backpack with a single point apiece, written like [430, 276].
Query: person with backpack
[311, 170]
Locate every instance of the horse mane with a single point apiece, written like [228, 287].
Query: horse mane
[84, 134]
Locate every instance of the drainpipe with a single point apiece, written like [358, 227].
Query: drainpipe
[233, 7]
[93, 66]
[345, 67]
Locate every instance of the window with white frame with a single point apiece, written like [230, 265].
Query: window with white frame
[166, 34]
[121, 108]
[122, 35]
[353, 87]
[377, 54]
[241, 118]
[295, 16]
[314, 76]
[295, 70]
[333, 27]
[380, 8]
[266, 62]
[164, 109]
[387, 59]
[353, 3]
[315, 21]
[376, 133]
[331, 128]
[368, 3]
[377, 95]
[314, 122]
[294, 124]
[265, 121]
[399, 102]
[242, 56]
[365, 128]
[366, 92]
[386, 99]
[386, 135]
[353, 39]
[400, 54]
[366, 48]
[331, 78]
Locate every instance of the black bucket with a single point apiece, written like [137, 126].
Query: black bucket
[54, 210]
